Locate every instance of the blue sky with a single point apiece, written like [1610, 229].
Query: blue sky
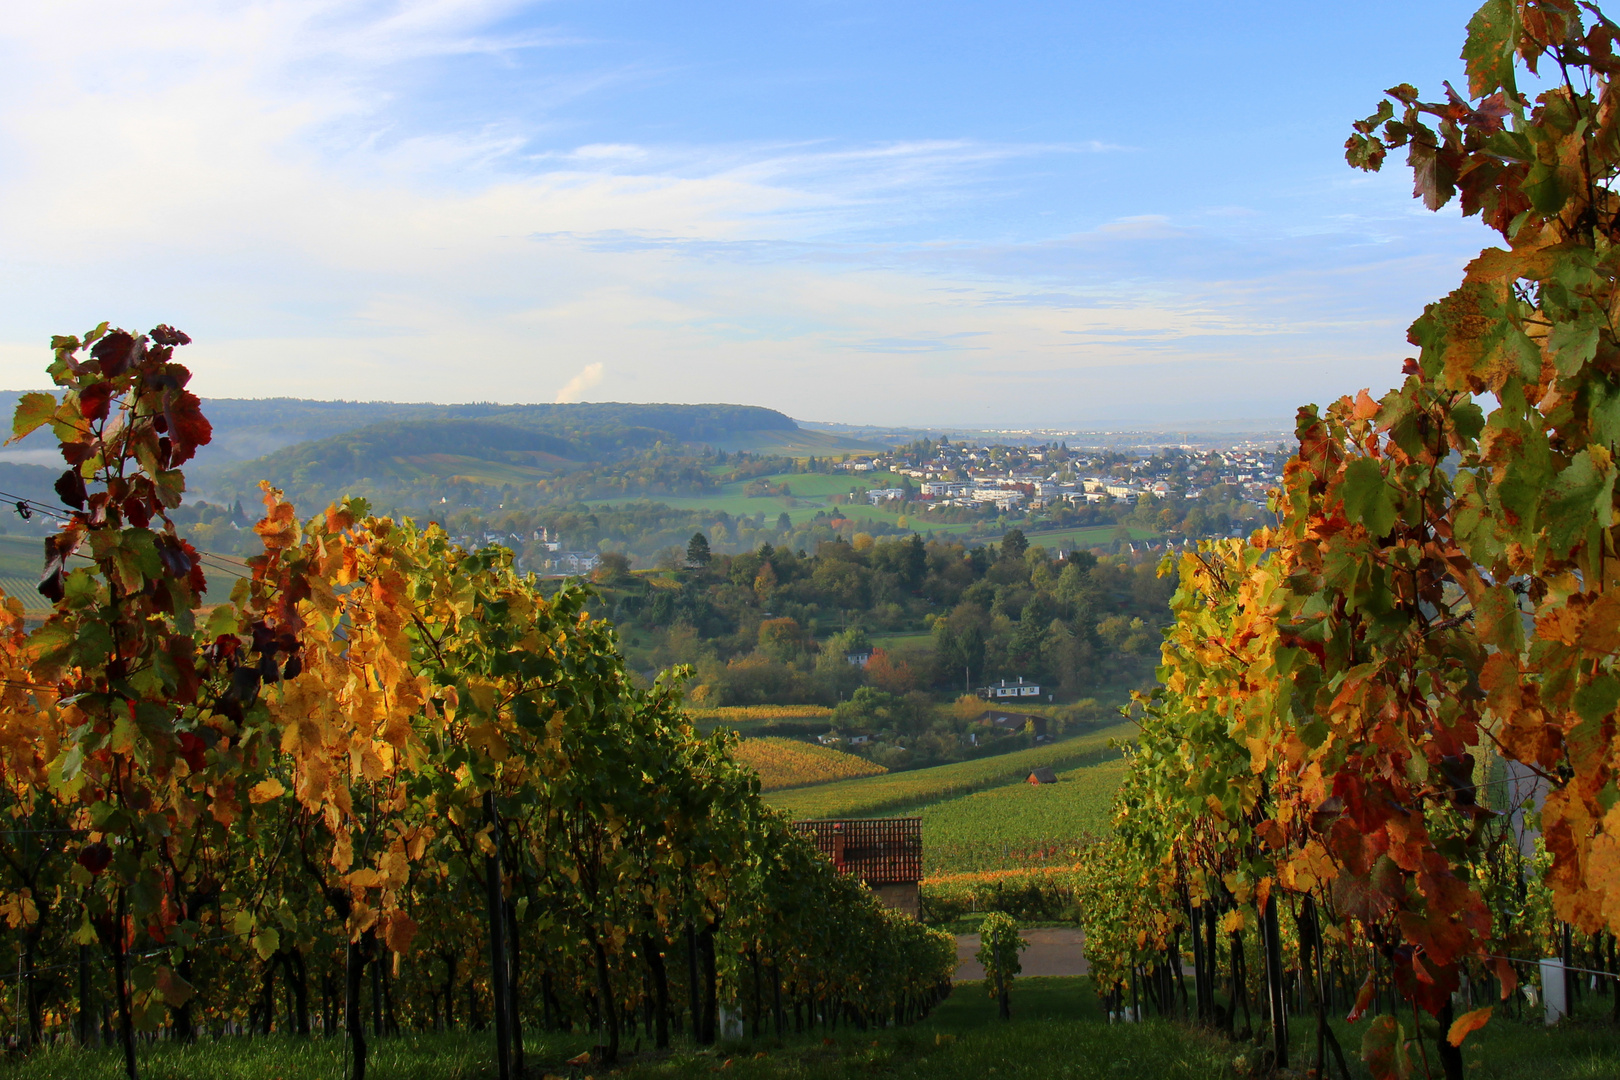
[990, 214]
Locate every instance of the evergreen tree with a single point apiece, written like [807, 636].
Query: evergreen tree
[1014, 544]
[697, 551]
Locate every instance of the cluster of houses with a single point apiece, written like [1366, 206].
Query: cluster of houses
[1025, 478]
[553, 561]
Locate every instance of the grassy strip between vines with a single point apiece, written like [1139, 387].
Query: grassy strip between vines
[1058, 1030]
[897, 791]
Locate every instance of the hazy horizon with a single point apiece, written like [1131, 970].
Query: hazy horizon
[1237, 425]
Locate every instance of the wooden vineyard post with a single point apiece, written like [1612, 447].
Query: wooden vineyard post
[695, 994]
[497, 943]
[126, 1022]
[1276, 1002]
[354, 1020]
[84, 1017]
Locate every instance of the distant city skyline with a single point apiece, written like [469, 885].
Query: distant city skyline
[1077, 215]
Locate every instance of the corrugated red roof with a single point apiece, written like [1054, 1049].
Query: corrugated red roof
[879, 851]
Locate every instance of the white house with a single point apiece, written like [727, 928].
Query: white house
[877, 495]
[573, 562]
[1004, 689]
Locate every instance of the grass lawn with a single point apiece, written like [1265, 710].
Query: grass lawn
[477, 470]
[1086, 537]
[1058, 1030]
[811, 492]
[1585, 1047]
[22, 556]
[1057, 1033]
[921, 639]
[738, 505]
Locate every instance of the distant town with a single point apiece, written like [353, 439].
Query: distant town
[1017, 477]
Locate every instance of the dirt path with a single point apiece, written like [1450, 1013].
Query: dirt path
[1053, 950]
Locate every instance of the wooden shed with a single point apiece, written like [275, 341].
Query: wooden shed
[1042, 775]
[885, 853]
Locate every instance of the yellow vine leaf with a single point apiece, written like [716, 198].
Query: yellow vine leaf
[1466, 1023]
[265, 790]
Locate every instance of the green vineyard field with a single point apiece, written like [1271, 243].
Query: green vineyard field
[897, 791]
[1021, 825]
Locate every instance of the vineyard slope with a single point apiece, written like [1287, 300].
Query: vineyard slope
[1021, 825]
[788, 763]
[875, 795]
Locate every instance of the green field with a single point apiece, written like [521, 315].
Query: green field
[812, 492]
[922, 639]
[897, 791]
[1021, 824]
[22, 557]
[1087, 537]
[476, 470]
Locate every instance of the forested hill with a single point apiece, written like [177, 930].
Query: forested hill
[403, 450]
[246, 428]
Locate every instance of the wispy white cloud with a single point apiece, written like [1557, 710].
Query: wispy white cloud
[250, 173]
[589, 377]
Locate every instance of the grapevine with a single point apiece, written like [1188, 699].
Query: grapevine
[384, 760]
[1435, 605]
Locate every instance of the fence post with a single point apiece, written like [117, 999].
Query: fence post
[1553, 989]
